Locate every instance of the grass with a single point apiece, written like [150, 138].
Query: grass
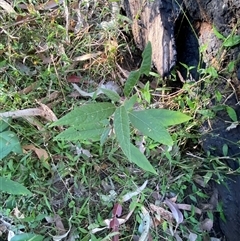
[77, 185]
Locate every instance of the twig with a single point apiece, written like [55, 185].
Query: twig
[22, 113]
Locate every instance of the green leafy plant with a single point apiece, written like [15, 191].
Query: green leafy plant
[8, 140]
[92, 121]
[9, 143]
[230, 41]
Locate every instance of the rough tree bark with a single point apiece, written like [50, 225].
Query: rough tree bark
[154, 21]
[160, 21]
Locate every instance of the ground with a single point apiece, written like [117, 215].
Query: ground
[54, 57]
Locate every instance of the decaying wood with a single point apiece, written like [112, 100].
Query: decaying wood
[154, 21]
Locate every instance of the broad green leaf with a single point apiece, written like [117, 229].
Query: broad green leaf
[232, 113]
[168, 117]
[89, 113]
[9, 143]
[3, 124]
[231, 41]
[27, 237]
[147, 59]
[122, 129]
[131, 82]
[11, 187]
[140, 160]
[112, 95]
[218, 35]
[91, 131]
[150, 126]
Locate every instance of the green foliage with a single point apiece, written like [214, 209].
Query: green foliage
[11, 187]
[122, 129]
[27, 237]
[232, 113]
[140, 160]
[150, 126]
[144, 69]
[9, 143]
[8, 140]
[89, 113]
[91, 121]
[230, 41]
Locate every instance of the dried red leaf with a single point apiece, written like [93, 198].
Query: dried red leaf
[117, 210]
[73, 79]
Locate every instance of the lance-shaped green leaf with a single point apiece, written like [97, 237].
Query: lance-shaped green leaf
[147, 59]
[140, 160]
[9, 143]
[144, 69]
[122, 129]
[150, 126]
[91, 131]
[131, 82]
[85, 114]
[168, 117]
[11, 187]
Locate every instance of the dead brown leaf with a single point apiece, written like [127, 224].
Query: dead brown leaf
[188, 207]
[53, 96]
[28, 89]
[41, 153]
[47, 112]
[16, 213]
[7, 7]
[161, 214]
[87, 56]
[207, 224]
